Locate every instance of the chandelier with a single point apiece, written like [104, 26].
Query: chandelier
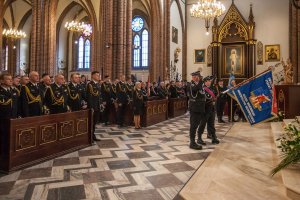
[207, 9]
[13, 33]
[81, 27]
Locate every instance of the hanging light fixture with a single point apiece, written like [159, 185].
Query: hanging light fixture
[81, 27]
[207, 10]
[13, 33]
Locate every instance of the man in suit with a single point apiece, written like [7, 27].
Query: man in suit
[122, 99]
[221, 100]
[75, 93]
[94, 100]
[56, 96]
[173, 90]
[31, 97]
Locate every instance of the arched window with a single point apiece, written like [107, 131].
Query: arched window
[6, 58]
[140, 43]
[84, 54]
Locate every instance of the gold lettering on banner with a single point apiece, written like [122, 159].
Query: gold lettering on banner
[26, 138]
[82, 126]
[48, 133]
[66, 129]
[149, 110]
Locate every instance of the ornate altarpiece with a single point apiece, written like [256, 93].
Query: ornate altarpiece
[233, 45]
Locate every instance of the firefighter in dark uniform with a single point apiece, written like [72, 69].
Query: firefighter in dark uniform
[221, 100]
[106, 92]
[209, 116]
[75, 93]
[129, 87]
[122, 99]
[55, 96]
[196, 107]
[8, 98]
[94, 100]
[44, 84]
[31, 97]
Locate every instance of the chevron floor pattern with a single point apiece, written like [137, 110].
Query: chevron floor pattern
[150, 164]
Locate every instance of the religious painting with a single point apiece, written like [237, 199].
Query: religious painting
[234, 59]
[272, 53]
[199, 56]
[174, 35]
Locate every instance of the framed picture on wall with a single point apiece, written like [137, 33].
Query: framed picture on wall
[174, 35]
[272, 53]
[199, 56]
[233, 59]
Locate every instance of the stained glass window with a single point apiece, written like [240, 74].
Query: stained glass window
[80, 52]
[87, 54]
[145, 41]
[84, 53]
[140, 44]
[137, 24]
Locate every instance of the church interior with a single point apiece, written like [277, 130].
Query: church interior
[97, 99]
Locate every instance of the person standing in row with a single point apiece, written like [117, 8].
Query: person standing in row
[196, 107]
[138, 104]
[221, 100]
[94, 100]
[31, 97]
[56, 96]
[8, 98]
[122, 99]
[209, 115]
[106, 91]
[75, 93]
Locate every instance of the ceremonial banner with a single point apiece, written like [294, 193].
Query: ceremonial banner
[255, 97]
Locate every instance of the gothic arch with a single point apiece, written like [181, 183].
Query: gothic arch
[234, 34]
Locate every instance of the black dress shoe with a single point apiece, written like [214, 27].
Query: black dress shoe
[195, 146]
[209, 136]
[222, 121]
[215, 141]
[201, 142]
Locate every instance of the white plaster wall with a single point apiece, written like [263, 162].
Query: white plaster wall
[272, 27]
[175, 21]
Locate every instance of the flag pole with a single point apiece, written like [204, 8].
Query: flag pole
[245, 81]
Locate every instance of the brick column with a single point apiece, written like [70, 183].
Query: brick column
[1, 25]
[128, 41]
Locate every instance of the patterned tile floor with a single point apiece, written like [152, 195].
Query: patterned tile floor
[150, 164]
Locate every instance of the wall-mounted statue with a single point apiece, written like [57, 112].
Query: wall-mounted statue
[176, 54]
[288, 71]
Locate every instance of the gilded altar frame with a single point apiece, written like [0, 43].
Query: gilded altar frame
[234, 31]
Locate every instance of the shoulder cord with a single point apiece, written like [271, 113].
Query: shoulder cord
[59, 101]
[194, 97]
[31, 98]
[72, 97]
[95, 94]
[5, 103]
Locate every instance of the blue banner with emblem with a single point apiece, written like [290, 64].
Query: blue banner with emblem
[255, 97]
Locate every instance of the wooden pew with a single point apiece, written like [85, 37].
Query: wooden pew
[28, 141]
[155, 111]
[177, 107]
